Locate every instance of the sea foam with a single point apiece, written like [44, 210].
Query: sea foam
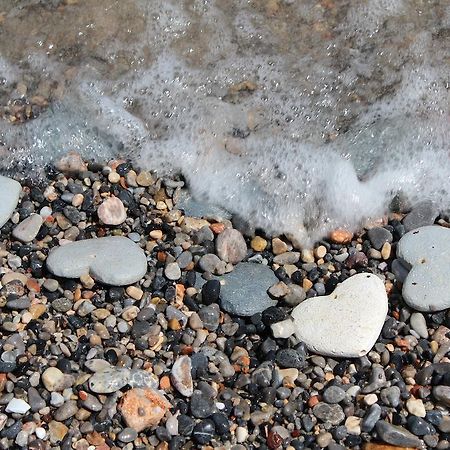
[299, 117]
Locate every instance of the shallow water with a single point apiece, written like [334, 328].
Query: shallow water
[299, 116]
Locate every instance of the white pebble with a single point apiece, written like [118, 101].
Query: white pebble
[18, 406]
[40, 433]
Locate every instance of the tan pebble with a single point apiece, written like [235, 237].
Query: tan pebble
[278, 246]
[87, 281]
[156, 234]
[353, 425]
[373, 446]
[37, 310]
[101, 313]
[95, 340]
[143, 408]
[112, 211]
[174, 325]
[26, 317]
[145, 179]
[370, 399]
[135, 292]
[13, 276]
[386, 250]
[130, 312]
[320, 251]
[161, 205]
[193, 224]
[72, 163]
[113, 177]
[307, 256]
[57, 431]
[258, 244]
[307, 284]
[50, 193]
[341, 236]
[77, 200]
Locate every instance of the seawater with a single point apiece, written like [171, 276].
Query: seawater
[299, 116]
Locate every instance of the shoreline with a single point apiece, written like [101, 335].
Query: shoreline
[183, 352]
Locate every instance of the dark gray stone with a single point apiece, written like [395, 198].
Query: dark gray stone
[422, 214]
[329, 413]
[379, 236]
[244, 290]
[396, 435]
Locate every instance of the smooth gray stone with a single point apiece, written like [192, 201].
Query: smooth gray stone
[9, 197]
[244, 290]
[28, 229]
[194, 208]
[422, 214]
[396, 435]
[427, 251]
[112, 260]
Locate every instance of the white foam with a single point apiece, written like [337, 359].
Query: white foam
[338, 116]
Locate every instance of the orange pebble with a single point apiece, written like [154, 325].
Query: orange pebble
[341, 236]
[312, 401]
[164, 383]
[217, 228]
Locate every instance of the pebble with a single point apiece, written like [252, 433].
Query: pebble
[334, 394]
[419, 324]
[172, 271]
[127, 435]
[57, 431]
[427, 251]
[145, 179]
[17, 406]
[201, 406]
[422, 214]
[258, 244]
[391, 396]
[9, 197]
[53, 379]
[203, 432]
[231, 246]
[442, 395]
[143, 408]
[113, 260]
[181, 376]
[35, 399]
[396, 435]
[345, 323]
[112, 211]
[28, 229]
[378, 236]
[329, 413]
[416, 407]
[210, 316]
[109, 380]
[244, 290]
[65, 411]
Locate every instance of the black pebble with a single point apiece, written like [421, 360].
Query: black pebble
[204, 432]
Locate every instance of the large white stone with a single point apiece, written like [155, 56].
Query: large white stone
[113, 260]
[9, 197]
[427, 251]
[345, 323]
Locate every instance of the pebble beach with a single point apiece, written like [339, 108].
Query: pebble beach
[134, 317]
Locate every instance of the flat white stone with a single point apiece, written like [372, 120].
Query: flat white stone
[9, 197]
[345, 323]
[18, 406]
[427, 251]
[113, 260]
